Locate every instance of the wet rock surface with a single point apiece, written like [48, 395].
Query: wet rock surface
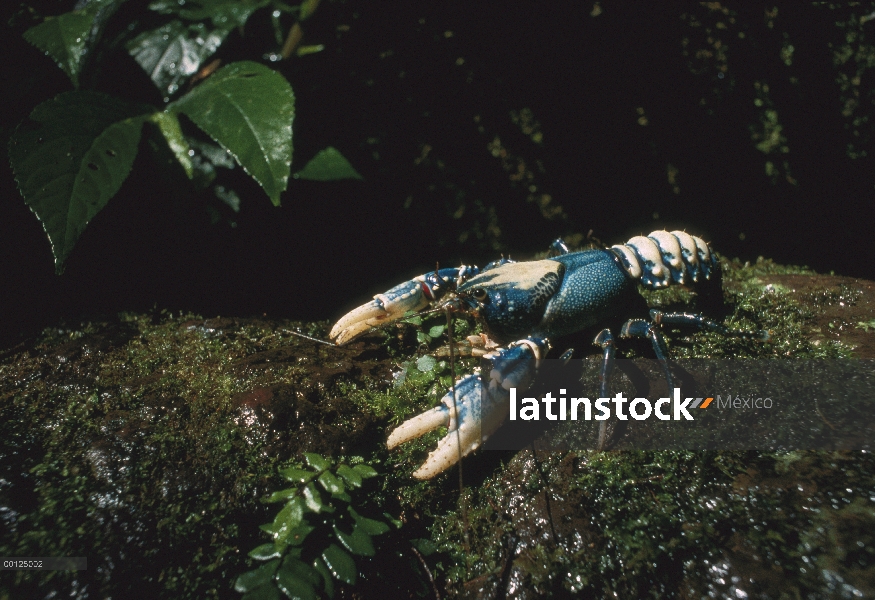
[146, 443]
[685, 524]
[842, 307]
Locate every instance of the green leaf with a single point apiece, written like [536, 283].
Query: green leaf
[350, 475]
[282, 495]
[426, 363]
[322, 569]
[317, 461]
[174, 52]
[305, 50]
[369, 526]
[341, 564]
[425, 546]
[308, 7]
[168, 125]
[300, 570]
[286, 520]
[358, 542]
[331, 483]
[313, 499]
[412, 318]
[366, 471]
[297, 535]
[328, 165]
[70, 157]
[290, 581]
[397, 523]
[436, 331]
[297, 475]
[223, 13]
[264, 552]
[257, 577]
[422, 338]
[268, 591]
[248, 109]
[63, 38]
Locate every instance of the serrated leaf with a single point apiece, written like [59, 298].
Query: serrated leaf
[357, 542]
[350, 475]
[426, 363]
[248, 109]
[341, 564]
[175, 51]
[331, 483]
[317, 461]
[297, 475]
[264, 552]
[63, 38]
[366, 471]
[328, 165]
[436, 331]
[327, 580]
[369, 526]
[223, 13]
[169, 127]
[257, 577]
[70, 157]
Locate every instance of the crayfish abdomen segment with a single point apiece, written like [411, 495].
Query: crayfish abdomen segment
[664, 258]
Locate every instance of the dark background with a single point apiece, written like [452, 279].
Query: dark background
[478, 131]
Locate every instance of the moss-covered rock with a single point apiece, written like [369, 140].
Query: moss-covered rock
[147, 443]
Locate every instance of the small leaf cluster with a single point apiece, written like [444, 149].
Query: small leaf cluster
[422, 336]
[315, 534]
[426, 334]
[425, 369]
[72, 154]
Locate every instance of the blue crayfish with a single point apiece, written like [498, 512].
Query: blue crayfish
[524, 305]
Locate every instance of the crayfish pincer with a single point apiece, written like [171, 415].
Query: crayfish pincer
[523, 305]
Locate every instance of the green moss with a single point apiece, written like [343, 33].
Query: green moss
[147, 442]
[127, 442]
[666, 524]
[663, 524]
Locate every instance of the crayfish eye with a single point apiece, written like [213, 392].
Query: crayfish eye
[479, 294]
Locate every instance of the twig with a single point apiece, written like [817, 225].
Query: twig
[437, 594]
[462, 505]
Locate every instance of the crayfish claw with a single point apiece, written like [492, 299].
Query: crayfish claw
[384, 308]
[418, 426]
[461, 417]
